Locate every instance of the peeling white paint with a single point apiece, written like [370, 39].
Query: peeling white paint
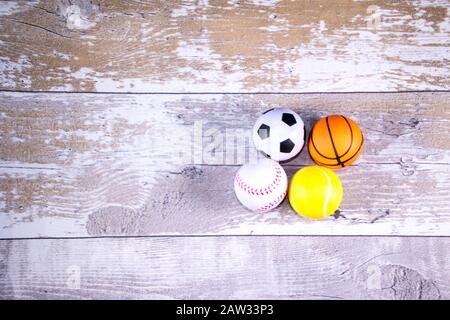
[423, 25]
[39, 227]
[63, 56]
[353, 58]
[182, 12]
[76, 20]
[322, 26]
[306, 69]
[65, 87]
[266, 3]
[85, 73]
[429, 3]
[3, 221]
[274, 28]
[88, 36]
[11, 7]
[67, 69]
[12, 72]
[444, 26]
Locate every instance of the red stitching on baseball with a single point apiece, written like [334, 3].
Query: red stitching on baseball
[272, 204]
[261, 191]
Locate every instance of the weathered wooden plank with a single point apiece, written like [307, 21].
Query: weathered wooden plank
[226, 268]
[225, 46]
[94, 164]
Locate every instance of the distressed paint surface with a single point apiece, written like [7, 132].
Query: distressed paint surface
[129, 164]
[226, 268]
[85, 165]
[225, 46]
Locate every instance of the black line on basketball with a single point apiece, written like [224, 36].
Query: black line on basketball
[317, 150]
[351, 137]
[319, 162]
[326, 164]
[359, 148]
[332, 142]
[312, 141]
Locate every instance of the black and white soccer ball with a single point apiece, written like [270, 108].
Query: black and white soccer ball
[279, 133]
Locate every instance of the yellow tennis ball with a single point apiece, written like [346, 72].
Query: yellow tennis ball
[315, 192]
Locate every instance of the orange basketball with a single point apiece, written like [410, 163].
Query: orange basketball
[335, 142]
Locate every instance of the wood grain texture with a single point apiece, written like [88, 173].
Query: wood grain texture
[225, 46]
[95, 164]
[226, 268]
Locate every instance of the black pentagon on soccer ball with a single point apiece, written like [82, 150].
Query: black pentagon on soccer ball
[289, 119]
[286, 146]
[264, 131]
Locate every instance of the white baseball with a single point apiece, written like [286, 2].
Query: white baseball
[262, 186]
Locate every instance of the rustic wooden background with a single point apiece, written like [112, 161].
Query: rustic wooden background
[122, 124]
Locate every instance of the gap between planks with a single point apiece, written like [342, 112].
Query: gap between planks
[222, 92]
[228, 236]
